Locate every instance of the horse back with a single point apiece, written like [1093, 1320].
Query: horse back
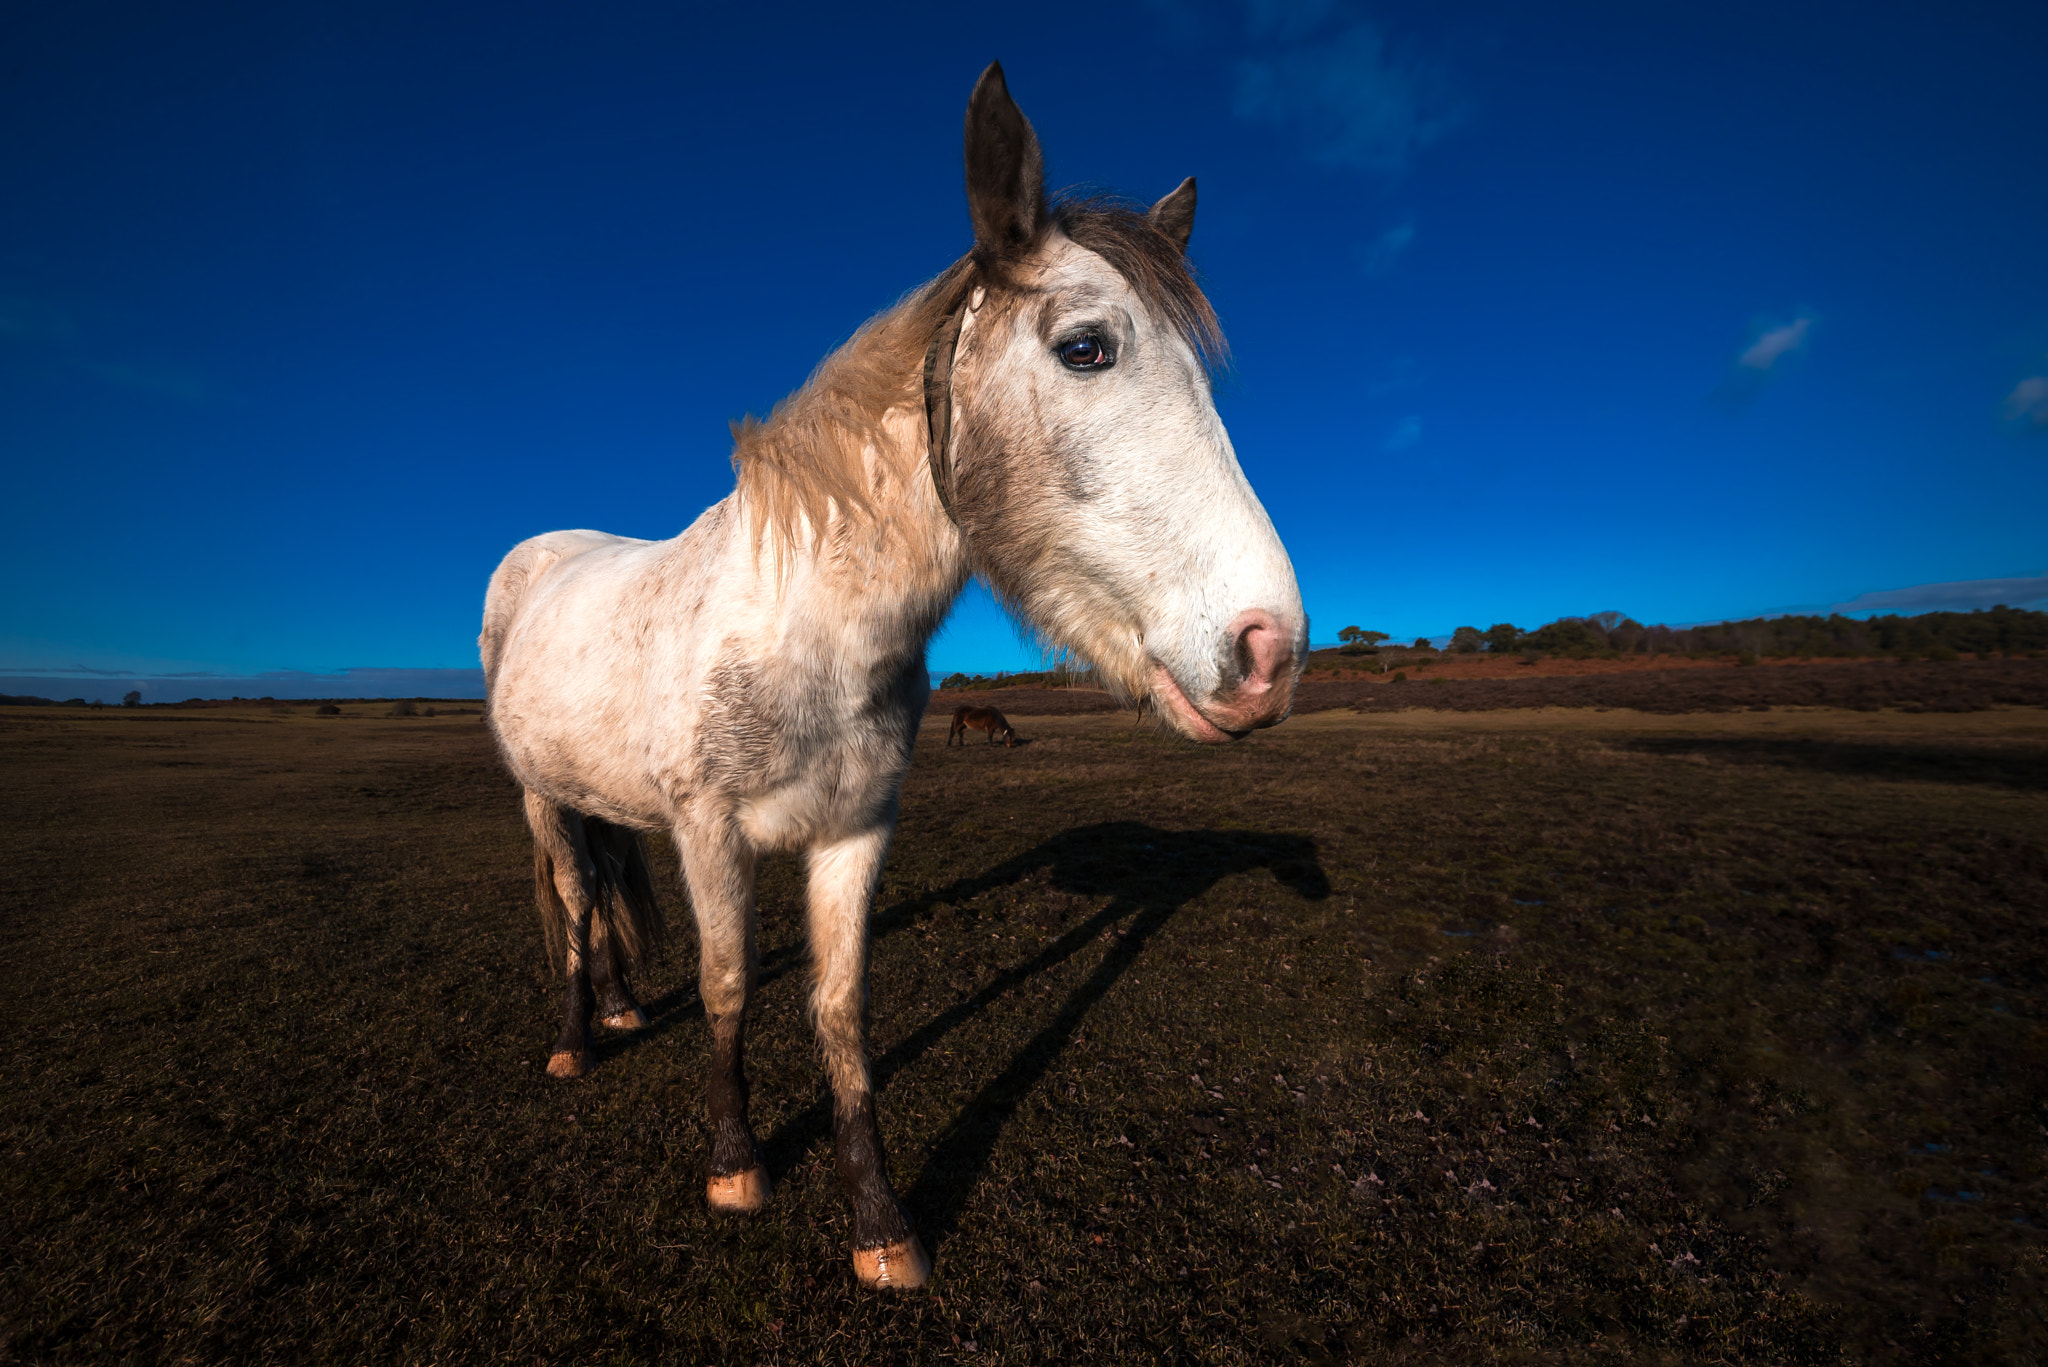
[523, 570]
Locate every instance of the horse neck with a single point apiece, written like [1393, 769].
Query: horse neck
[873, 589]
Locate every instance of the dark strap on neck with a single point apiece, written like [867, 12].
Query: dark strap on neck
[938, 403]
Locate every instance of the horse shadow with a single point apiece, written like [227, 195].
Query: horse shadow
[1149, 875]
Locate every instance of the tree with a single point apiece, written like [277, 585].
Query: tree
[1422, 643]
[132, 698]
[1501, 637]
[1467, 640]
[1567, 636]
[1357, 640]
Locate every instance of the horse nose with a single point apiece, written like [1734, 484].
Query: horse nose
[1264, 654]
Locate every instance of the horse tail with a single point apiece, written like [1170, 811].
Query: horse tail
[554, 914]
[625, 890]
[629, 914]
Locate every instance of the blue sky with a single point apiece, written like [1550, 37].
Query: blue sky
[308, 313]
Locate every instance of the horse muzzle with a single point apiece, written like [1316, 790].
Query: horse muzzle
[1263, 691]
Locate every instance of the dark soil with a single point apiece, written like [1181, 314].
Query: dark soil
[1368, 1039]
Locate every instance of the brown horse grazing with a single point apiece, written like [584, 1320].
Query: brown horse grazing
[987, 719]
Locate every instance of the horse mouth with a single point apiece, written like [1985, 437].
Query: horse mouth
[1188, 718]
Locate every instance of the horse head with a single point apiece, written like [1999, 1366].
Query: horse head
[1075, 441]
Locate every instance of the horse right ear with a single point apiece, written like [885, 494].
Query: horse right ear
[1174, 215]
[1005, 170]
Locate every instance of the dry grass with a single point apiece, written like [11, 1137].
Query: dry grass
[1462, 1037]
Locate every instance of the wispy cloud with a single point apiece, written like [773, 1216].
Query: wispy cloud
[1377, 257]
[1964, 595]
[2027, 405]
[1336, 82]
[1775, 345]
[1405, 434]
[1766, 357]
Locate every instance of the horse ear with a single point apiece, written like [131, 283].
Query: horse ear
[1175, 214]
[1005, 171]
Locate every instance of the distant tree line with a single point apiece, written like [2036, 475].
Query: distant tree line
[1929, 636]
[1060, 676]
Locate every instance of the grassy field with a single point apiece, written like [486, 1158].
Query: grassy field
[1522, 1036]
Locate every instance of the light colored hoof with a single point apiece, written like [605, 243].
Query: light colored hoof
[636, 1019]
[900, 1267]
[567, 1065]
[743, 1193]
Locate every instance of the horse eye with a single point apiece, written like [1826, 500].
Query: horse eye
[1085, 353]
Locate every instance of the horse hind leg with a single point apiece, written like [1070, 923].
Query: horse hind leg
[565, 885]
[617, 1008]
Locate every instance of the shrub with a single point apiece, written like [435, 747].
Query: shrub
[403, 708]
[132, 698]
[327, 709]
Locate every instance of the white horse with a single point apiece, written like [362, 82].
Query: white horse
[1040, 414]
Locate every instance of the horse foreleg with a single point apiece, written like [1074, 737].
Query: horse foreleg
[565, 882]
[720, 873]
[843, 876]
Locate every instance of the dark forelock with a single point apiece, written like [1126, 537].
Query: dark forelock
[1149, 261]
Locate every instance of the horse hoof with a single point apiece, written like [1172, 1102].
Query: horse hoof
[635, 1019]
[568, 1064]
[743, 1193]
[901, 1266]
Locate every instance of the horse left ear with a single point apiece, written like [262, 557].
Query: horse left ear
[1175, 214]
[1005, 170]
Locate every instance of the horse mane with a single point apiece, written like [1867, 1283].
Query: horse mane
[808, 461]
[809, 458]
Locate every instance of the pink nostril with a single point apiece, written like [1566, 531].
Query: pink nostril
[1264, 652]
